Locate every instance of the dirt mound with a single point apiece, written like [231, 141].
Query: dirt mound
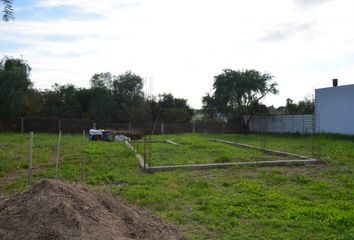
[56, 210]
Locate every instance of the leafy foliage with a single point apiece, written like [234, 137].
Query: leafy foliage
[173, 109]
[306, 106]
[14, 86]
[8, 12]
[109, 99]
[238, 93]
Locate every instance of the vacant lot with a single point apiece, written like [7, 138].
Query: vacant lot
[312, 202]
[196, 149]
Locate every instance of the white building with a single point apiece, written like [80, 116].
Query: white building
[335, 109]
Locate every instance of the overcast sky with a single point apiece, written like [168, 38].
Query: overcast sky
[182, 44]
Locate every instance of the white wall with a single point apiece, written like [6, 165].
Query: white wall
[335, 109]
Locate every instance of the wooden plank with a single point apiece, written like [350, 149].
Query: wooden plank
[225, 165]
[260, 148]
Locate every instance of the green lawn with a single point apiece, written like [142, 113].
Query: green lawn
[196, 149]
[312, 202]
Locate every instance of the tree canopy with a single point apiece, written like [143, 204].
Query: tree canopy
[8, 12]
[110, 98]
[306, 106]
[237, 94]
[14, 86]
[173, 109]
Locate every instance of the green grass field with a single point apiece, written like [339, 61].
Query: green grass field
[308, 202]
[196, 149]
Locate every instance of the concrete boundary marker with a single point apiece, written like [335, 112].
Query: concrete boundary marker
[172, 142]
[142, 163]
[152, 141]
[160, 141]
[296, 162]
[226, 165]
[260, 148]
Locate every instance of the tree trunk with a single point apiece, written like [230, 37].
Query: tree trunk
[245, 125]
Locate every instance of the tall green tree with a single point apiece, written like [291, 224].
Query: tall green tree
[102, 80]
[62, 101]
[209, 109]
[238, 93]
[130, 104]
[14, 86]
[173, 109]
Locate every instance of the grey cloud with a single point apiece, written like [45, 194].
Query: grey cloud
[285, 31]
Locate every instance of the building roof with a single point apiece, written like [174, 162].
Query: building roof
[338, 87]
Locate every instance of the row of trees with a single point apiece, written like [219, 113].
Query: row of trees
[236, 97]
[109, 99]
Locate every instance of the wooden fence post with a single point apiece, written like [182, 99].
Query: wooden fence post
[30, 151]
[58, 156]
[83, 176]
[223, 128]
[193, 128]
[162, 128]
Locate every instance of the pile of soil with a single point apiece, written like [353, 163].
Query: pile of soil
[56, 210]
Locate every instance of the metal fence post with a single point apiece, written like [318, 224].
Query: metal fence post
[59, 125]
[162, 128]
[83, 176]
[22, 125]
[145, 153]
[30, 152]
[58, 156]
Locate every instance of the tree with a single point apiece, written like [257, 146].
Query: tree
[306, 106]
[290, 107]
[173, 109]
[209, 109]
[102, 80]
[130, 106]
[128, 86]
[237, 93]
[8, 12]
[14, 86]
[62, 101]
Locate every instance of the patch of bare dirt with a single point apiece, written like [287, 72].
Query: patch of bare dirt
[53, 209]
[7, 179]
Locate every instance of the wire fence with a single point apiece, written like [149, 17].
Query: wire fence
[26, 154]
[302, 130]
[54, 125]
